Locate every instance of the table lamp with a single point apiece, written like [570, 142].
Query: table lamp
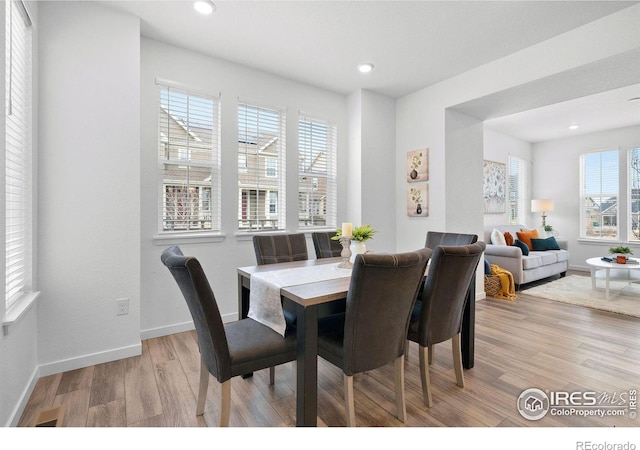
[544, 206]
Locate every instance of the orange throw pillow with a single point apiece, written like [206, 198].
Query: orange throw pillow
[526, 236]
[508, 238]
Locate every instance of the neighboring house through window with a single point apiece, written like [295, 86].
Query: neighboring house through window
[317, 185]
[261, 168]
[189, 161]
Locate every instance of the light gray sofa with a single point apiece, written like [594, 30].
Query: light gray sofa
[525, 269]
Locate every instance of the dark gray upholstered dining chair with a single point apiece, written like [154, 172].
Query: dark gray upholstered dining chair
[438, 317]
[435, 238]
[445, 238]
[278, 248]
[372, 331]
[226, 350]
[324, 246]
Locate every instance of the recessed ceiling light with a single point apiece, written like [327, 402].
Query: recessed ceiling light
[365, 67]
[574, 126]
[204, 6]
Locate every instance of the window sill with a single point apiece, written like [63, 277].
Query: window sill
[165, 239]
[18, 310]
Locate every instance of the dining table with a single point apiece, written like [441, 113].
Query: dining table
[309, 299]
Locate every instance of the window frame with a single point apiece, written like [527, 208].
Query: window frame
[633, 177]
[308, 141]
[17, 132]
[261, 139]
[204, 191]
[584, 196]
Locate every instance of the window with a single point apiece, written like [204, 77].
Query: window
[517, 189]
[261, 181]
[599, 190]
[317, 189]
[189, 161]
[634, 194]
[18, 157]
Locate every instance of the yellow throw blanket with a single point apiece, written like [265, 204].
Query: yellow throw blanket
[507, 285]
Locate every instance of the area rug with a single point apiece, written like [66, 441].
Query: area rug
[624, 298]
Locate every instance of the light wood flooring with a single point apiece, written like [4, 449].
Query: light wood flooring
[522, 344]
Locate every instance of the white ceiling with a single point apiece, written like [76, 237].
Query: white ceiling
[412, 44]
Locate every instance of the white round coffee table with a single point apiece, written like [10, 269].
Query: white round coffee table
[612, 271]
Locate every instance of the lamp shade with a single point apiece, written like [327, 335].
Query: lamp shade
[542, 205]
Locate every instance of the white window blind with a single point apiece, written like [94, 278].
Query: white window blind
[317, 184]
[518, 191]
[634, 194]
[261, 168]
[599, 191]
[189, 161]
[18, 158]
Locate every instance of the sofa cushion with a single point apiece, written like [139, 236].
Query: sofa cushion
[523, 247]
[497, 238]
[526, 236]
[508, 237]
[542, 245]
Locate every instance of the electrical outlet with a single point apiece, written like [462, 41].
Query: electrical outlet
[122, 306]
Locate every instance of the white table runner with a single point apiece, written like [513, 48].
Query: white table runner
[264, 298]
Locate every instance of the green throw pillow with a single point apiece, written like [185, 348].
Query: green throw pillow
[541, 245]
[523, 247]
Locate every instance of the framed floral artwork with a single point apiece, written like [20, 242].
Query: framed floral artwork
[494, 187]
[418, 200]
[418, 165]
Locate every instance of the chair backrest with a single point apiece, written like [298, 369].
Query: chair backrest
[277, 248]
[193, 283]
[382, 293]
[324, 246]
[435, 238]
[451, 270]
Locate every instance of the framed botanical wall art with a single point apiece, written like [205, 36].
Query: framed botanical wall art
[418, 200]
[494, 187]
[418, 165]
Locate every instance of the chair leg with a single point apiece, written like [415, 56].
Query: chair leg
[406, 349]
[272, 375]
[431, 352]
[349, 404]
[225, 403]
[424, 375]
[401, 405]
[457, 360]
[202, 391]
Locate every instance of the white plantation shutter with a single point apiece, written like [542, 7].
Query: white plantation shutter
[189, 161]
[261, 168]
[317, 184]
[634, 194]
[599, 191]
[517, 190]
[18, 158]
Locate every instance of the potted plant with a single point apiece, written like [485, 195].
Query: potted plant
[358, 237]
[620, 253]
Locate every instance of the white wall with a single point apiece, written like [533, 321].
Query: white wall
[89, 184]
[498, 147]
[163, 309]
[556, 175]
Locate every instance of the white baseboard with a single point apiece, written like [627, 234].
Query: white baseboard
[14, 418]
[89, 360]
